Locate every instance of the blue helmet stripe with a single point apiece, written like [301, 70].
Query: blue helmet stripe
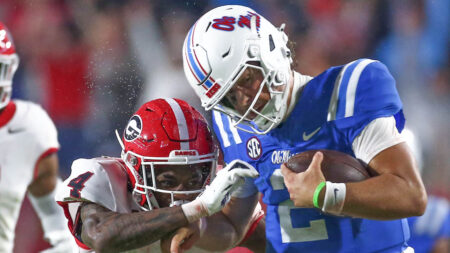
[192, 61]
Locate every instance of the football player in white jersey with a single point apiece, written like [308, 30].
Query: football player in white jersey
[129, 203]
[28, 161]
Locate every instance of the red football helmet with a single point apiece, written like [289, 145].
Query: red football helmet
[165, 132]
[9, 61]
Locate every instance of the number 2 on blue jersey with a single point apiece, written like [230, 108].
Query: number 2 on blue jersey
[317, 229]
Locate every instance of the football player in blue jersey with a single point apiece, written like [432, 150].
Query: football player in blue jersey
[264, 112]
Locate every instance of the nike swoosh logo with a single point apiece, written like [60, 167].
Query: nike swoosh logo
[15, 131]
[306, 137]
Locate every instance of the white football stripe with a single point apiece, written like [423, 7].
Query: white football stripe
[223, 133]
[332, 109]
[352, 85]
[181, 121]
[234, 131]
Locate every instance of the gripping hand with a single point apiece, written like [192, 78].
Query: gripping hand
[217, 194]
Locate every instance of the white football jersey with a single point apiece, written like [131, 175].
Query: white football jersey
[25, 138]
[99, 180]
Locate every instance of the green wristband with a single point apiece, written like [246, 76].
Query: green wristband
[316, 194]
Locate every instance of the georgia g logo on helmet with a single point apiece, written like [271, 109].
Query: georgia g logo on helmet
[133, 128]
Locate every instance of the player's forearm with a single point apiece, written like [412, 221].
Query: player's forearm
[226, 229]
[218, 234]
[114, 232]
[383, 197]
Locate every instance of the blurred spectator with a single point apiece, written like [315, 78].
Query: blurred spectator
[158, 44]
[416, 51]
[91, 63]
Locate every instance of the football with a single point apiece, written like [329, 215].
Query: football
[337, 167]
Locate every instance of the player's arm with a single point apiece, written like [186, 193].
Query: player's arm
[255, 238]
[106, 231]
[42, 197]
[47, 175]
[396, 191]
[227, 225]
[219, 232]
[442, 245]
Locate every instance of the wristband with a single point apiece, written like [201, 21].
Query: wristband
[333, 202]
[194, 210]
[316, 194]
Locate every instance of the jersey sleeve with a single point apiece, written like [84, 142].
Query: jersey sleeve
[46, 135]
[91, 180]
[366, 91]
[377, 136]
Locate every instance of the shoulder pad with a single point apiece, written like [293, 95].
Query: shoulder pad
[99, 180]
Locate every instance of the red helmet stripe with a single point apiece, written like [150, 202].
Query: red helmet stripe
[181, 123]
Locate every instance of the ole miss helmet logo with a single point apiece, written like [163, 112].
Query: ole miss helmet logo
[133, 128]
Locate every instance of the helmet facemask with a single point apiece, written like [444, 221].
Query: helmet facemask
[267, 104]
[146, 173]
[8, 66]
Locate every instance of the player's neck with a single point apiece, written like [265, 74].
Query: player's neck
[296, 85]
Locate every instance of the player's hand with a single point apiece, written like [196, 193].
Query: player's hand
[301, 186]
[183, 239]
[217, 194]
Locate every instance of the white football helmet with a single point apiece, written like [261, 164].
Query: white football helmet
[9, 61]
[221, 45]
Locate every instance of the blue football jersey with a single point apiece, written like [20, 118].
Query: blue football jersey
[433, 225]
[332, 110]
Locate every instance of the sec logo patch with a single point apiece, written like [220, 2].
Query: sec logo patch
[254, 149]
[133, 129]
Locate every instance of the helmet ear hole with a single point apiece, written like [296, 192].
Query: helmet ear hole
[271, 43]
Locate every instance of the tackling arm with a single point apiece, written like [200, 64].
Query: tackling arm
[219, 232]
[227, 228]
[108, 231]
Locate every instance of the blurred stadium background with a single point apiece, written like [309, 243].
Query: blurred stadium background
[91, 63]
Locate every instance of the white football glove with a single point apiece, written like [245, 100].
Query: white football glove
[217, 194]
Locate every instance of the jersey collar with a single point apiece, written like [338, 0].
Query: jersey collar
[299, 83]
[7, 113]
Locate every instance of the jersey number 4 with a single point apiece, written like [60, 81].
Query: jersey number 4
[77, 184]
[317, 229]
